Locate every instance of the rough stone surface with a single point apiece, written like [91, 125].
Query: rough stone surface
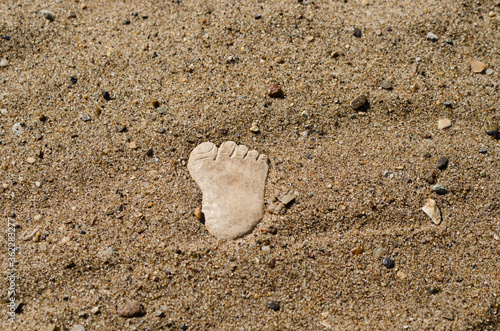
[232, 180]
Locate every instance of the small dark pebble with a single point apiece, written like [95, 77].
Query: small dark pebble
[271, 263]
[223, 131]
[426, 136]
[105, 95]
[357, 33]
[447, 104]
[274, 305]
[272, 230]
[483, 151]
[73, 80]
[257, 16]
[120, 207]
[442, 163]
[82, 232]
[432, 289]
[126, 22]
[6, 38]
[155, 55]
[309, 156]
[388, 263]
[149, 152]
[184, 327]
[427, 155]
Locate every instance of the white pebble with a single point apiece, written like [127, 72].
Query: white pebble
[3, 111]
[38, 184]
[266, 249]
[4, 62]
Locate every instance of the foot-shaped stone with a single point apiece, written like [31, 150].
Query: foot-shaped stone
[232, 180]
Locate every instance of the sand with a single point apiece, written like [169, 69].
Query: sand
[101, 202]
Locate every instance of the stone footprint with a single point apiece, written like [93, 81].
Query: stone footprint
[232, 180]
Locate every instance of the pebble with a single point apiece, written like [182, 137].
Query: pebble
[161, 130]
[257, 16]
[432, 210]
[272, 230]
[4, 62]
[95, 310]
[357, 33]
[385, 85]
[106, 95]
[489, 71]
[271, 263]
[477, 66]
[266, 249]
[274, 305]
[149, 152]
[444, 123]
[483, 151]
[73, 80]
[447, 104]
[159, 313]
[3, 111]
[85, 117]
[359, 102]
[133, 145]
[254, 128]
[432, 37]
[155, 103]
[378, 252]
[442, 163]
[162, 110]
[132, 308]
[48, 14]
[30, 160]
[439, 189]
[449, 316]
[432, 289]
[18, 128]
[121, 128]
[6, 37]
[198, 213]
[492, 129]
[430, 177]
[275, 91]
[388, 263]
[287, 199]
[279, 60]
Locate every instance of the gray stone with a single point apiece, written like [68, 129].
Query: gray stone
[77, 327]
[439, 189]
